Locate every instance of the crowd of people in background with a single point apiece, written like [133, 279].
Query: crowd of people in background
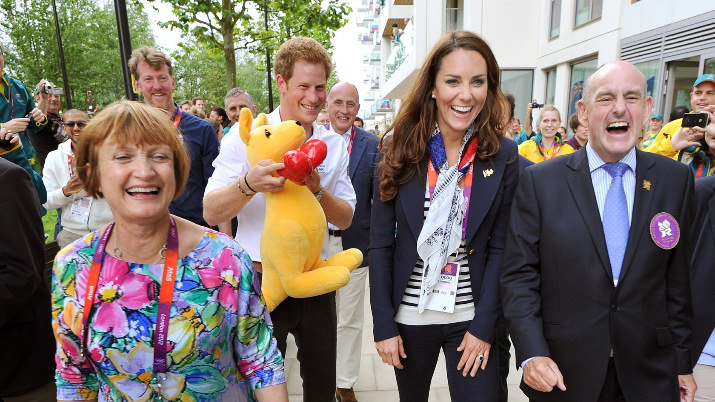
[591, 247]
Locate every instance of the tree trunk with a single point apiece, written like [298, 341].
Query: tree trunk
[229, 53]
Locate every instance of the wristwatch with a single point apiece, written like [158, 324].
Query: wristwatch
[319, 194]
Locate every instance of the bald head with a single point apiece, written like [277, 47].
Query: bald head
[615, 108]
[614, 67]
[343, 106]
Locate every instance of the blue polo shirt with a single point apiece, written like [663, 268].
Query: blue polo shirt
[202, 144]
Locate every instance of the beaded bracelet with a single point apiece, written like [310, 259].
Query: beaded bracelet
[244, 191]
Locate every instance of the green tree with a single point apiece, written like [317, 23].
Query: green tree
[228, 26]
[200, 71]
[89, 38]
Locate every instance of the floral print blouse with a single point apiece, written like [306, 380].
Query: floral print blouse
[221, 344]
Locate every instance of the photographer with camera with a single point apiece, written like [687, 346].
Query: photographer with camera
[684, 139]
[547, 143]
[51, 134]
[18, 113]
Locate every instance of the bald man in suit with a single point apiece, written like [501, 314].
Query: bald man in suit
[598, 304]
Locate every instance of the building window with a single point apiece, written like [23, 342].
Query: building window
[453, 15]
[550, 87]
[650, 70]
[709, 66]
[587, 10]
[579, 73]
[555, 18]
[520, 84]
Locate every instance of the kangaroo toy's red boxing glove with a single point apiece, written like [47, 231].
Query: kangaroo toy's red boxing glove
[299, 164]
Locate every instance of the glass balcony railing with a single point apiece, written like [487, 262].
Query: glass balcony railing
[402, 46]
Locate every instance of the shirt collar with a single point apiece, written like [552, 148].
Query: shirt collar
[595, 161]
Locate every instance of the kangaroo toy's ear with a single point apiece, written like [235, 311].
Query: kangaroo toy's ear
[245, 121]
[261, 120]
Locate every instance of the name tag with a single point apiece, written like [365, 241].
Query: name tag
[79, 212]
[444, 293]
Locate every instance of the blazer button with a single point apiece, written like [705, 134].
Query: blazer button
[471, 251]
[615, 308]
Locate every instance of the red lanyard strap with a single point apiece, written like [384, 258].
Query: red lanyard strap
[166, 293]
[177, 118]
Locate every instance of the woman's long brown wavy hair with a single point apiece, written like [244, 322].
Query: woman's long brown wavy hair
[404, 149]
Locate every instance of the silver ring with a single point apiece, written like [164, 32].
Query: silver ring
[480, 357]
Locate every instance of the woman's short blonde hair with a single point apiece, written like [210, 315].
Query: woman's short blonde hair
[123, 123]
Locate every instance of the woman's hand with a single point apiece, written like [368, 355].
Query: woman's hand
[390, 350]
[685, 137]
[474, 351]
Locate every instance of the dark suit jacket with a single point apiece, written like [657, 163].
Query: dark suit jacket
[702, 272]
[557, 285]
[393, 257]
[360, 169]
[25, 333]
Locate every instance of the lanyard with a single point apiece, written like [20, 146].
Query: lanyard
[166, 293]
[177, 118]
[467, 159]
[554, 149]
[11, 100]
[352, 138]
[70, 164]
[353, 131]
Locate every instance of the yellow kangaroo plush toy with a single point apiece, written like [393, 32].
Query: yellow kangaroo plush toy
[294, 227]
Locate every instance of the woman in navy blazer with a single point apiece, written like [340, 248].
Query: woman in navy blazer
[446, 181]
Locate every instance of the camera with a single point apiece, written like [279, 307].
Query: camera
[49, 89]
[695, 120]
[5, 144]
[536, 105]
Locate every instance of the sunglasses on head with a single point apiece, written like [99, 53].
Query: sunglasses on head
[79, 123]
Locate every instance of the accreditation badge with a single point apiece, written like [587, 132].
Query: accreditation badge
[79, 212]
[665, 231]
[444, 293]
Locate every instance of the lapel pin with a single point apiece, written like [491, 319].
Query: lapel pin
[646, 185]
[487, 172]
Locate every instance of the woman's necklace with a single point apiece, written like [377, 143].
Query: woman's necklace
[118, 251]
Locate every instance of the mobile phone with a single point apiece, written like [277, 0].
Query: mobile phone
[695, 119]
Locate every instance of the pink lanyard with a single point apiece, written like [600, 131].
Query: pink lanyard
[166, 293]
[353, 131]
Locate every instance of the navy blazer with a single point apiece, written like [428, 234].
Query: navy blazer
[360, 170]
[25, 317]
[702, 272]
[393, 256]
[557, 285]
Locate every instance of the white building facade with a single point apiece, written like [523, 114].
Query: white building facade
[545, 48]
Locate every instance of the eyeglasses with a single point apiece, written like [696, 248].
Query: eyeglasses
[79, 123]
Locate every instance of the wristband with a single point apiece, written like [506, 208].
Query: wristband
[244, 191]
[245, 180]
[319, 194]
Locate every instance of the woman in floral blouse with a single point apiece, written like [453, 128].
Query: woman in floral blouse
[154, 307]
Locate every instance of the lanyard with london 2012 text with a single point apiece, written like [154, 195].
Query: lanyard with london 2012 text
[467, 158]
[166, 293]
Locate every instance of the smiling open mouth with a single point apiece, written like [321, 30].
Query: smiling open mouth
[618, 127]
[143, 190]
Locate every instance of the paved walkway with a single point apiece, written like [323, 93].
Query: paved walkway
[377, 380]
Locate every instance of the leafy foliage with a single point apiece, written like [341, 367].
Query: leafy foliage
[229, 26]
[89, 38]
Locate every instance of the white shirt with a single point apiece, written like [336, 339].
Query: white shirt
[55, 175]
[232, 163]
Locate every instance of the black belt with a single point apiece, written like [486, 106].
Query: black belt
[336, 233]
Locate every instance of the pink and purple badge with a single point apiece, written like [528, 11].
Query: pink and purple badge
[664, 230]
